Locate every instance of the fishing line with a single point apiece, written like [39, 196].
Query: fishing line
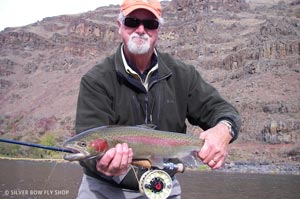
[135, 174]
[50, 176]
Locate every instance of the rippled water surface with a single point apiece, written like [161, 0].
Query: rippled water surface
[51, 180]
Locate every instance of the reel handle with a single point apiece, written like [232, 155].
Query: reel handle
[168, 166]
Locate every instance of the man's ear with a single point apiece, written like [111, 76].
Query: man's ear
[119, 24]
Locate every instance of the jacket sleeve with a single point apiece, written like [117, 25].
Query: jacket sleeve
[206, 107]
[93, 110]
[94, 106]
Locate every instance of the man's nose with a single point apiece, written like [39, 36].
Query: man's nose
[140, 29]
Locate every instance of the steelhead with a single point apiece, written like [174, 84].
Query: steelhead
[147, 144]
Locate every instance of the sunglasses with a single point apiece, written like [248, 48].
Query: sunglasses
[150, 24]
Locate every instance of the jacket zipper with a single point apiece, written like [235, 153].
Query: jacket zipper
[146, 107]
[147, 99]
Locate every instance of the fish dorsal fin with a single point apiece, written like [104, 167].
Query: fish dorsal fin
[196, 131]
[147, 126]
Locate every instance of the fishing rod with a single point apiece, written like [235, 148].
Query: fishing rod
[52, 148]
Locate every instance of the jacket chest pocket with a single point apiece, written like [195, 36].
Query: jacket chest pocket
[128, 109]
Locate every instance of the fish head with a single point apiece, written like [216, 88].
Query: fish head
[85, 148]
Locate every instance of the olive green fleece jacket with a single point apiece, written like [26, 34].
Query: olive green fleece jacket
[110, 96]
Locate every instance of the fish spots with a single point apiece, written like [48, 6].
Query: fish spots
[155, 140]
[99, 145]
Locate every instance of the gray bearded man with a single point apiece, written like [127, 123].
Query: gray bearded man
[140, 85]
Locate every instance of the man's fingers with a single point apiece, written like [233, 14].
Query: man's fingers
[130, 156]
[219, 164]
[104, 162]
[125, 156]
[116, 161]
[204, 152]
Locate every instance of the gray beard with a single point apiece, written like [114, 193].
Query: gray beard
[139, 49]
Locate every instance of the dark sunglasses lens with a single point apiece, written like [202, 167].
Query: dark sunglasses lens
[132, 22]
[148, 23]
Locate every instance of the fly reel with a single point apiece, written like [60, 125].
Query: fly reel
[156, 184]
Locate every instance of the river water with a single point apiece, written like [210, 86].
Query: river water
[51, 180]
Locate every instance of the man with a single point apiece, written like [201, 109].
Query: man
[140, 85]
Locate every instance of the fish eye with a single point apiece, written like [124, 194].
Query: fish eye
[82, 144]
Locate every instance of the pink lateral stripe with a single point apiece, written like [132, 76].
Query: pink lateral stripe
[152, 140]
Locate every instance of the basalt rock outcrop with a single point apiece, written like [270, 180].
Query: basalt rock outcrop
[249, 50]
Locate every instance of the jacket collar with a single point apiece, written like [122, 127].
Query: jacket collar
[163, 70]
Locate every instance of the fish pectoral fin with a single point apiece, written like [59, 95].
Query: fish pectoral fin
[190, 161]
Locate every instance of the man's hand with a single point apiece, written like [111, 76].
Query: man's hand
[115, 161]
[214, 150]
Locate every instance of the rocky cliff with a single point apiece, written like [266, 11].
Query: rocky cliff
[249, 50]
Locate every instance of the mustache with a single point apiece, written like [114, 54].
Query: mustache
[144, 36]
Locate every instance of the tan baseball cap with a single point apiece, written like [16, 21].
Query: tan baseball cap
[153, 6]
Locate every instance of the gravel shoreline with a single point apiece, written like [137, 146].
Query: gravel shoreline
[262, 168]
